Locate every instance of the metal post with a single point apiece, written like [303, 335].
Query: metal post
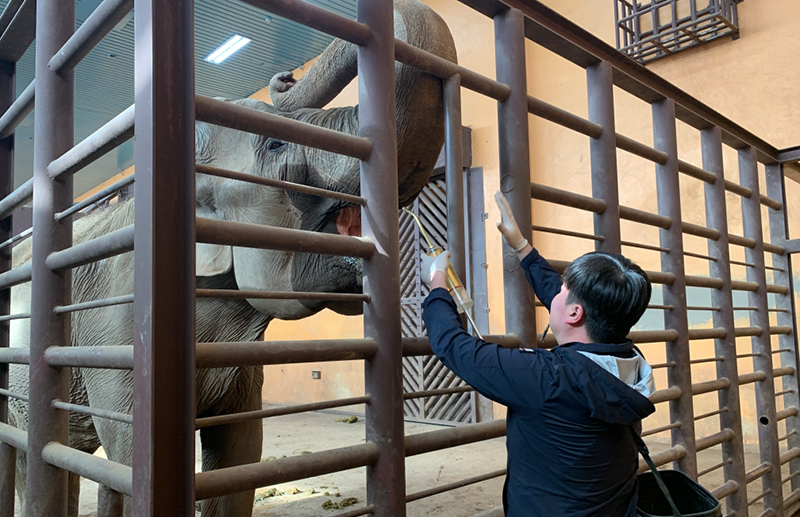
[515, 175]
[7, 452]
[600, 90]
[778, 229]
[725, 348]
[164, 304]
[109, 502]
[454, 175]
[383, 374]
[47, 485]
[669, 204]
[765, 390]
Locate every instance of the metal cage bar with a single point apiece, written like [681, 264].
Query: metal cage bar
[765, 390]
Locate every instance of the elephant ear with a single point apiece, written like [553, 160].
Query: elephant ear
[211, 259]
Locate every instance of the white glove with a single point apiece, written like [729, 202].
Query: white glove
[431, 264]
[508, 227]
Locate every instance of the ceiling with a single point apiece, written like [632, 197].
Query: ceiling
[104, 79]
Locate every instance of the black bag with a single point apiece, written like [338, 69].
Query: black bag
[671, 493]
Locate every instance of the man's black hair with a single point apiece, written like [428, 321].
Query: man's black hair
[613, 291]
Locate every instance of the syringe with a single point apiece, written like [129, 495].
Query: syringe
[457, 290]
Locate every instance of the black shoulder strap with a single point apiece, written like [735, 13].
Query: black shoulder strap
[646, 455]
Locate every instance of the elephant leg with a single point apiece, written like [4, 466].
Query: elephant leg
[228, 446]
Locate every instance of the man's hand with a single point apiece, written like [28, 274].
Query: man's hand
[508, 227]
[433, 269]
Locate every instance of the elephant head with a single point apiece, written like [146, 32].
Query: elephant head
[420, 134]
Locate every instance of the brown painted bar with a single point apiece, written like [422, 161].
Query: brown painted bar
[15, 355]
[422, 494]
[567, 233]
[563, 118]
[109, 502]
[111, 244]
[164, 304]
[114, 357]
[113, 475]
[47, 483]
[16, 113]
[566, 198]
[765, 390]
[218, 355]
[515, 182]
[16, 199]
[231, 233]
[234, 116]
[416, 346]
[709, 386]
[778, 229]
[434, 393]
[214, 483]
[269, 182]
[724, 346]
[742, 241]
[725, 489]
[383, 375]
[673, 454]
[639, 149]
[272, 412]
[640, 216]
[111, 135]
[8, 454]
[696, 172]
[111, 189]
[603, 152]
[430, 441]
[101, 413]
[707, 442]
[731, 186]
[669, 205]
[105, 17]
[95, 304]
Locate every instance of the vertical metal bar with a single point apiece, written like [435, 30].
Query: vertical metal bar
[717, 219]
[669, 204]
[164, 306]
[515, 175]
[636, 27]
[454, 176]
[109, 502]
[765, 390]
[778, 229]
[47, 485]
[7, 453]
[616, 20]
[383, 374]
[600, 90]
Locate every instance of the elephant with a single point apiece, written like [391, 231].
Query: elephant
[420, 133]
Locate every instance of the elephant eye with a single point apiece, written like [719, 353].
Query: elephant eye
[274, 145]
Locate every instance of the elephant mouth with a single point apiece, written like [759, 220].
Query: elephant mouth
[348, 221]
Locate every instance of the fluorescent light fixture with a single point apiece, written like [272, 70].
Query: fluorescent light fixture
[227, 49]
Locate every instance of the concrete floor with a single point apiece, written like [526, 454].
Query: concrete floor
[299, 434]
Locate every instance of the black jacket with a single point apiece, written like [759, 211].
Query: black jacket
[570, 452]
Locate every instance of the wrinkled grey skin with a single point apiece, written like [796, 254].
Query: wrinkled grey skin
[231, 390]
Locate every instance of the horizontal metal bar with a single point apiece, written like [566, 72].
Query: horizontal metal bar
[77, 207]
[782, 350]
[13, 355]
[19, 316]
[219, 355]
[772, 248]
[101, 413]
[639, 149]
[234, 418]
[435, 393]
[759, 497]
[789, 455]
[707, 360]
[742, 241]
[109, 245]
[568, 233]
[780, 289]
[17, 112]
[453, 437]
[784, 392]
[757, 472]
[16, 276]
[663, 365]
[16, 199]
[780, 329]
[707, 442]
[114, 475]
[739, 263]
[111, 135]
[771, 203]
[653, 336]
[563, 118]
[700, 231]
[742, 356]
[453, 486]
[644, 246]
[703, 281]
[709, 386]
[234, 116]
[693, 308]
[745, 308]
[640, 216]
[566, 198]
[712, 413]
[696, 172]
[784, 438]
[19, 396]
[661, 429]
[282, 295]
[792, 499]
[103, 19]
[416, 346]
[317, 18]
[106, 302]
[739, 285]
[707, 333]
[113, 357]
[700, 256]
[673, 393]
[215, 483]
[783, 371]
[14, 437]
[724, 490]
[358, 512]
[715, 467]
[444, 69]
[747, 331]
[18, 237]
[785, 413]
[735, 188]
[665, 307]
[662, 458]
[286, 185]
[229, 233]
[747, 378]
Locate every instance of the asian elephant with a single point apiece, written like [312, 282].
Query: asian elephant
[420, 135]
